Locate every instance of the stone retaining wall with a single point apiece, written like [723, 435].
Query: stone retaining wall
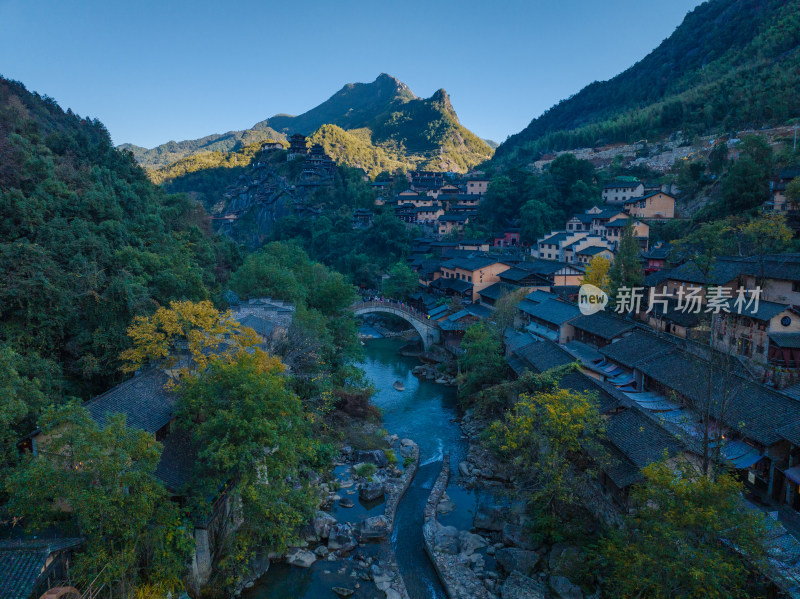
[398, 585]
[459, 581]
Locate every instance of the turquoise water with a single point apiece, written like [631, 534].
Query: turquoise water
[425, 412]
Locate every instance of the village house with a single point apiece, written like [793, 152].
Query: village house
[617, 192]
[508, 238]
[270, 146]
[585, 255]
[298, 146]
[477, 186]
[615, 228]
[479, 272]
[778, 202]
[657, 205]
[549, 319]
[29, 567]
[448, 223]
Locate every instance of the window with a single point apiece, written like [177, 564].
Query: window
[796, 286]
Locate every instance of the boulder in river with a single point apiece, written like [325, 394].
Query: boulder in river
[370, 491]
[322, 523]
[341, 537]
[302, 558]
[342, 591]
[346, 503]
[515, 535]
[375, 456]
[376, 527]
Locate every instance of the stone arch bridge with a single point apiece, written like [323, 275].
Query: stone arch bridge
[427, 329]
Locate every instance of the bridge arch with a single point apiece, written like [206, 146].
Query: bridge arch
[427, 329]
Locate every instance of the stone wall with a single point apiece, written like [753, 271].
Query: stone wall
[457, 577]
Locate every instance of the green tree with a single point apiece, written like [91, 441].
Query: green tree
[626, 270]
[505, 309]
[689, 536]
[402, 282]
[482, 360]
[545, 437]
[745, 187]
[105, 477]
[251, 428]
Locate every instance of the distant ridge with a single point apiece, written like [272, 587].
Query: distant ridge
[383, 122]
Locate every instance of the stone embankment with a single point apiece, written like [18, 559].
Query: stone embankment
[452, 551]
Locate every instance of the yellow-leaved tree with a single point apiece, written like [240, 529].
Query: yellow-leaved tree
[184, 337]
[597, 273]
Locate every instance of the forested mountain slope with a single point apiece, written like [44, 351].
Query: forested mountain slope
[87, 242]
[731, 64]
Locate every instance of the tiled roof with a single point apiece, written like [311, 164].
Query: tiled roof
[22, 562]
[496, 290]
[756, 410]
[640, 440]
[593, 250]
[622, 184]
[452, 218]
[656, 278]
[143, 399]
[262, 326]
[584, 218]
[453, 284]
[648, 195]
[607, 213]
[556, 239]
[539, 296]
[554, 311]
[608, 398]
[620, 223]
[543, 355]
[478, 310]
[682, 318]
[603, 325]
[635, 347]
[516, 274]
[721, 272]
[473, 263]
[177, 460]
[543, 267]
[786, 339]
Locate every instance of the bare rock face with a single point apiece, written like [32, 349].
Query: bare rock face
[563, 588]
[513, 559]
[515, 535]
[469, 542]
[518, 586]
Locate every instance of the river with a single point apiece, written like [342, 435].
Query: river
[425, 412]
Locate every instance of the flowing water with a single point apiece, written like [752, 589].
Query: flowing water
[425, 412]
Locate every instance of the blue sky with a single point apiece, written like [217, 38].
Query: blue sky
[155, 71]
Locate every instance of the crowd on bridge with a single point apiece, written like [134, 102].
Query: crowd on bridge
[380, 300]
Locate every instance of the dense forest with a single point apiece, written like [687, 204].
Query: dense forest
[732, 64]
[87, 242]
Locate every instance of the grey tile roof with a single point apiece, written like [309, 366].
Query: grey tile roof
[543, 267]
[584, 218]
[496, 290]
[516, 274]
[260, 325]
[637, 346]
[602, 324]
[608, 398]
[177, 460]
[471, 263]
[789, 340]
[143, 399]
[593, 250]
[622, 184]
[791, 432]
[757, 411]
[22, 562]
[722, 271]
[543, 355]
[640, 440]
[554, 311]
